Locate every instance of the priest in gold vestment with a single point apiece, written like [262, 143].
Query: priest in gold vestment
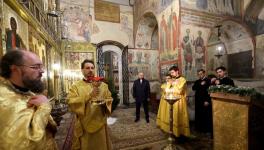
[25, 121]
[180, 112]
[91, 101]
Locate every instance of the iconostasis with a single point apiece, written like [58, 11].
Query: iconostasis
[28, 37]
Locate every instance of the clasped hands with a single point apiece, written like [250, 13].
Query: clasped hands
[37, 100]
[94, 97]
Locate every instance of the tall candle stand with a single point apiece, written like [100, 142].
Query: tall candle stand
[171, 141]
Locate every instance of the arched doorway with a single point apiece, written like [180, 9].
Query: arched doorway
[231, 45]
[112, 62]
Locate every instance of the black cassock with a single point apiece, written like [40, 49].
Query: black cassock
[226, 81]
[203, 114]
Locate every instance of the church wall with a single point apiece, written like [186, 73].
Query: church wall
[259, 56]
[219, 7]
[144, 31]
[143, 60]
[257, 25]
[169, 29]
[201, 17]
[84, 22]
[81, 25]
[165, 14]
[193, 40]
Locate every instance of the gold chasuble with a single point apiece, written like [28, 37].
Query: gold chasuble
[180, 112]
[23, 127]
[90, 129]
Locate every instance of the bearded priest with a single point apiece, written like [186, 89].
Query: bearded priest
[91, 101]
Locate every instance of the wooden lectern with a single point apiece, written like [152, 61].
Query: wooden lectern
[238, 122]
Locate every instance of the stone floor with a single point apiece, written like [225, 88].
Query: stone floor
[127, 135]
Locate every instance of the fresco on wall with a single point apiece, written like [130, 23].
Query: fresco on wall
[236, 37]
[144, 32]
[77, 22]
[164, 70]
[220, 7]
[238, 44]
[143, 61]
[155, 39]
[126, 21]
[142, 6]
[16, 30]
[163, 4]
[259, 56]
[73, 60]
[169, 33]
[193, 44]
[254, 16]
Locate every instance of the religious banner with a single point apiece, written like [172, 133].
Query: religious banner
[106, 11]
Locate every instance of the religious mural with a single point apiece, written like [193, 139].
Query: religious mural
[126, 22]
[164, 70]
[220, 7]
[236, 43]
[77, 23]
[169, 33]
[144, 32]
[163, 4]
[143, 61]
[155, 38]
[16, 30]
[142, 6]
[73, 60]
[193, 44]
[254, 16]
[259, 56]
[236, 37]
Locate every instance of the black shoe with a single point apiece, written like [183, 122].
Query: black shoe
[136, 120]
[147, 120]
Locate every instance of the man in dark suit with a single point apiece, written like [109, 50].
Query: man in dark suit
[141, 92]
[203, 107]
[223, 79]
